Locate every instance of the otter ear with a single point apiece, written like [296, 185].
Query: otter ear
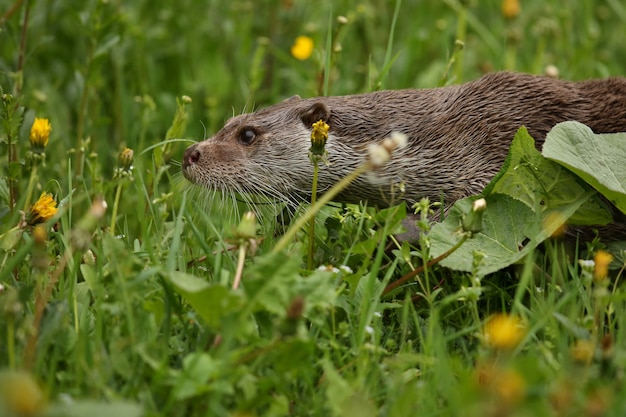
[292, 98]
[316, 112]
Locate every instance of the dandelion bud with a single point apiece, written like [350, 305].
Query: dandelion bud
[296, 308]
[89, 258]
[472, 222]
[186, 99]
[81, 235]
[399, 140]
[294, 315]
[552, 71]
[125, 164]
[39, 257]
[125, 159]
[342, 20]
[319, 136]
[42, 210]
[378, 155]
[247, 227]
[39, 235]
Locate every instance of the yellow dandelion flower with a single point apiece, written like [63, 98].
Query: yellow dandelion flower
[511, 386]
[507, 384]
[582, 352]
[510, 8]
[20, 395]
[302, 48]
[319, 136]
[42, 210]
[503, 331]
[602, 261]
[40, 133]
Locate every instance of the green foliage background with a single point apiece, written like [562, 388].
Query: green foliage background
[150, 325]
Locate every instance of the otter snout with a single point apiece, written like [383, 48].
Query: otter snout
[190, 158]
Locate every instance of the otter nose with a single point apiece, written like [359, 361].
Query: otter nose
[192, 155]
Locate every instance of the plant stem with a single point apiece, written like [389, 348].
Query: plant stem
[11, 342]
[461, 30]
[116, 204]
[31, 185]
[312, 221]
[240, 261]
[41, 300]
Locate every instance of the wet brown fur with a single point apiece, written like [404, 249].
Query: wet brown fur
[458, 137]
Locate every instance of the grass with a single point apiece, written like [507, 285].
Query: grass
[134, 314]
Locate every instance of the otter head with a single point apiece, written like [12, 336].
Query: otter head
[263, 153]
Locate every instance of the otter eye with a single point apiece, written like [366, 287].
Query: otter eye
[247, 136]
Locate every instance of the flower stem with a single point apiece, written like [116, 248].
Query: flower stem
[11, 342]
[324, 199]
[31, 186]
[116, 204]
[312, 220]
[461, 31]
[240, 262]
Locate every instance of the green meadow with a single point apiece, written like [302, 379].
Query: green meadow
[125, 291]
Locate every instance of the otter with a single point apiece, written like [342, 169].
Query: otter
[458, 138]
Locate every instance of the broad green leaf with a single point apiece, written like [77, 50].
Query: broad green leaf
[192, 380]
[528, 200]
[544, 185]
[511, 230]
[599, 159]
[91, 278]
[270, 283]
[212, 302]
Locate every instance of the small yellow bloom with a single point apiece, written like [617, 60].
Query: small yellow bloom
[39, 134]
[602, 261]
[506, 384]
[20, 395]
[42, 210]
[503, 331]
[319, 136]
[582, 352]
[302, 48]
[511, 386]
[510, 8]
